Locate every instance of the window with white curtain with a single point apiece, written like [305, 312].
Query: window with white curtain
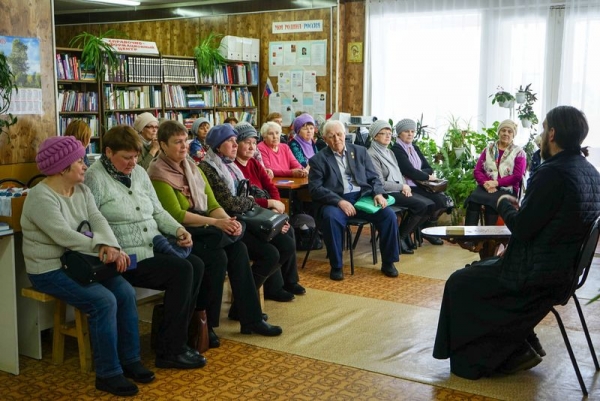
[443, 58]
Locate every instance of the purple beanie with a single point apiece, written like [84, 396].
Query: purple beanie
[57, 153]
[219, 134]
[301, 120]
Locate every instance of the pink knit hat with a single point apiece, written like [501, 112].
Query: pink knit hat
[57, 153]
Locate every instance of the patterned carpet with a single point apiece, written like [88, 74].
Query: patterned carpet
[241, 371]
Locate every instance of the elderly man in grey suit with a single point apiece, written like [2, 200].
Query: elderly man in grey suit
[339, 175]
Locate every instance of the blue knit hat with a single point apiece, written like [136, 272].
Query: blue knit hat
[219, 134]
[169, 246]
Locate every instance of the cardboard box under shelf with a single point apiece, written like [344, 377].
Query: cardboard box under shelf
[14, 221]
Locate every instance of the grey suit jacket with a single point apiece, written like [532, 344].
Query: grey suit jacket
[325, 182]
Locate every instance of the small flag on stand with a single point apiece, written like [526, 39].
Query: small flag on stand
[268, 88]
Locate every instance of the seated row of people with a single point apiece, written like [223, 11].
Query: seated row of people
[127, 216]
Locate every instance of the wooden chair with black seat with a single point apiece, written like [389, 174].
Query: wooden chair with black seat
[581, 270]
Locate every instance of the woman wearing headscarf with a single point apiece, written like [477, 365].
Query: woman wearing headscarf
[303, 145]
[386, 165]
[187, 196]
[146, 126]
[52, 212]
[224, 166]
[198, 145]
[499, 171]
[414, 166]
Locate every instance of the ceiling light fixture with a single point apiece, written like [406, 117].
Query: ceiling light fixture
[120, 2]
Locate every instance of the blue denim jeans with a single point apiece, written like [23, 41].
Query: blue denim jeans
[112, 312]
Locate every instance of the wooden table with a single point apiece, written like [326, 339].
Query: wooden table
[290, 188]
[482, 239]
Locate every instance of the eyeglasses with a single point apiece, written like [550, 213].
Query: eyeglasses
[152, 126]
[385, 134]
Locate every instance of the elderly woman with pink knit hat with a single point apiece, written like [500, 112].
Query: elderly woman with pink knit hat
[147, 126]
[303, 145]
[499, 170]
[52, 213]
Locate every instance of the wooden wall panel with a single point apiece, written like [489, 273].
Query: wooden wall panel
[178, 37]
[351, 74]
[30, 18]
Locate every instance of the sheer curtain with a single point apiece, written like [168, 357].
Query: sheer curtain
[444, 58]
[579, 83]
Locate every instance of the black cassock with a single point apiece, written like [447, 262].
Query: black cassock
[490, 307]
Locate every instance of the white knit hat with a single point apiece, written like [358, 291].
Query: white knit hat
[142, 120]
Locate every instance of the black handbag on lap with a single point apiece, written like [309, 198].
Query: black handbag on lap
[86, 269]
[263, 223]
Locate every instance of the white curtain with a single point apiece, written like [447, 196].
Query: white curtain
[579, 83]
[444, 58]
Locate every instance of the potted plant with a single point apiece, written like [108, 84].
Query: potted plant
[503, 98]
[525, 111]
[208, 56]
[521, 95]
[7, 84]
[96, 52]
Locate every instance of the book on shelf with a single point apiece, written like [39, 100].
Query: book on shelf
[180, 70]
[195, 100]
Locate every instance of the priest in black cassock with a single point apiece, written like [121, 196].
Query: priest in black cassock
[490, 308]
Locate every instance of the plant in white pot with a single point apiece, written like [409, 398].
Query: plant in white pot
[503, 98]
[525, 111]
[521, 95]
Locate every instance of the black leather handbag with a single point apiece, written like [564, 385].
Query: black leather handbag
[263, 223]
[86, 269]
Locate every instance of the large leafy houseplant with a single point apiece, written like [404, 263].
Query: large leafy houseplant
[7, 85]
[457, 167]
[208, 56]
[95, 52]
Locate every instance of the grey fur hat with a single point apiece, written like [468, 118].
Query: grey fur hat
[245, 130]
[405, 125]
[378, 126]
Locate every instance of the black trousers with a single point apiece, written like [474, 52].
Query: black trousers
[234, 260]
[180, 280]
[275, 260]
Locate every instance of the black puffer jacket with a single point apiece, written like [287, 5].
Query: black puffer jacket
[560, 205]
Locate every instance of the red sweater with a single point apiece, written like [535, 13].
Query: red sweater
[258, 176]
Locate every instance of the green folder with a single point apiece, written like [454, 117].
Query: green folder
[367, 204]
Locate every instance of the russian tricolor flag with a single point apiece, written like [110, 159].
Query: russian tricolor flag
[268, 88]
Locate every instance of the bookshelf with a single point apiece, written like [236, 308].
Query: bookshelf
[78, 93]
[166, 86]
[186, 96]
[237, 91]
[132, 87]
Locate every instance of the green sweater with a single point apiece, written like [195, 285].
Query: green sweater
[50, 222]
[177, 204]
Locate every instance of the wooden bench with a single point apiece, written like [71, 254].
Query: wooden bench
[79, 330]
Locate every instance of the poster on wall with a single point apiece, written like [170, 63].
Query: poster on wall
[23, 57]
[307, 54]
[290, 103]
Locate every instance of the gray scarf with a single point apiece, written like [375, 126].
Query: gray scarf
[388, 159]
[225, 172]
